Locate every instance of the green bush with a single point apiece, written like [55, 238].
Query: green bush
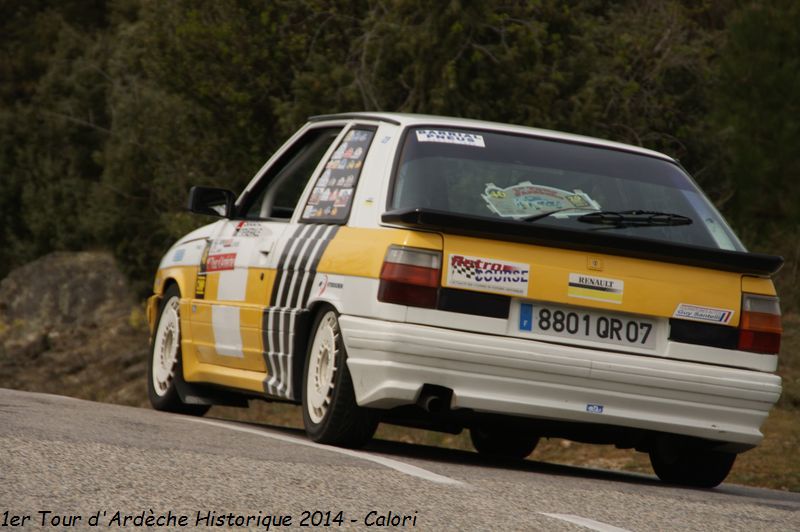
[112, 109]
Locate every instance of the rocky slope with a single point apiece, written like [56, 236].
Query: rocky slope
[70, 325]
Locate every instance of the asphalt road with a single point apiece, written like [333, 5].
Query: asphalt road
[90, 463]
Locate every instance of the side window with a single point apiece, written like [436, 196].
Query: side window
[332, 195]
[279, 190]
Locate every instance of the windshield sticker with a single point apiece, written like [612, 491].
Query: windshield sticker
[450, 137]
[527, 199]
[595, 288]
[696, 313]
[489, 275]
[332, 195]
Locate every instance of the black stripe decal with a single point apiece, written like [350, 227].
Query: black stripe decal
[285, 267]
[272, 329]
[596, 288]
[317, 257]
[301, 266]
[290, 294]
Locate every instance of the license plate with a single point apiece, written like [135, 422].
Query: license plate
[605, 327]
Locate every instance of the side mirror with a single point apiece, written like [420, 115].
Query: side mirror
[211, 201]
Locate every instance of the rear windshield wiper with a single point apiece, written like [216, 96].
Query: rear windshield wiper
[539, 216]
[634, 218]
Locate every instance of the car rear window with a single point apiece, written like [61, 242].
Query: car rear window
[516, 177]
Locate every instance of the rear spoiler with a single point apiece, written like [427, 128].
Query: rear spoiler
[640, 248]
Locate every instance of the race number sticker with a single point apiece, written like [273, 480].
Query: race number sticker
[488, 275]
[708, 314]
[450, 137]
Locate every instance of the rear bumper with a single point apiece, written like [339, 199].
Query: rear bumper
[391, 361]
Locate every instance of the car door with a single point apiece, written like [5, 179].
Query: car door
[298, 252]
[235, 282]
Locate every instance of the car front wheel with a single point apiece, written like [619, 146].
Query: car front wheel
[330, 412]
[165, 365]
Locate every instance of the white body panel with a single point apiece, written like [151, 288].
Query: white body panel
[390, 362]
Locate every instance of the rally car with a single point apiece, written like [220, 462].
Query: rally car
[455, 274]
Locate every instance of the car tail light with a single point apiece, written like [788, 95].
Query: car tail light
[760, 327]
[410, 276]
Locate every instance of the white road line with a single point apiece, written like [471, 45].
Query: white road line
[402, 467]
[587, 523]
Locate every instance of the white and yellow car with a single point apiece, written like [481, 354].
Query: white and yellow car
[450, 274]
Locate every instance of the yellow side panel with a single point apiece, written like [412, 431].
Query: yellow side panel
[360, 251]
[212, 287]
[200, 341]
[202, 332]
[201, 361]
[259, 286]
[758, 285]
[650, 287]
[241, 379]
[252, 338]
[183, 275]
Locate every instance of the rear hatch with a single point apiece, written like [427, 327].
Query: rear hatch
[588, 298]
[584, 246]
[656, 307]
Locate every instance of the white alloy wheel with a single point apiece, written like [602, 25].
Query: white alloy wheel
[331, 414]
[165, 347]
[322, 368]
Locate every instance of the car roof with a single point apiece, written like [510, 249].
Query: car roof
[410, 119]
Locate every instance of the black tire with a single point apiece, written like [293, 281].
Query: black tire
[330, 412]
[503, 441]
[687, 463]
[165, 359]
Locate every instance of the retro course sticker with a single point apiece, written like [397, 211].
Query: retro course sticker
[595, 288]
[489, 275]
[697, 313]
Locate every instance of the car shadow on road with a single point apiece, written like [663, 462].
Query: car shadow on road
[457, 457]
[469, 458]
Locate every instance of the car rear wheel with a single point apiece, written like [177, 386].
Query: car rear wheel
[165, 366]
[680, 461]
[330, 412]
[503, 441]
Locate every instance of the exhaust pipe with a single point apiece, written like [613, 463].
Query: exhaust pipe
[432, 404]
[435, 399]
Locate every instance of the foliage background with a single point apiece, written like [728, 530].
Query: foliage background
[111, 109]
